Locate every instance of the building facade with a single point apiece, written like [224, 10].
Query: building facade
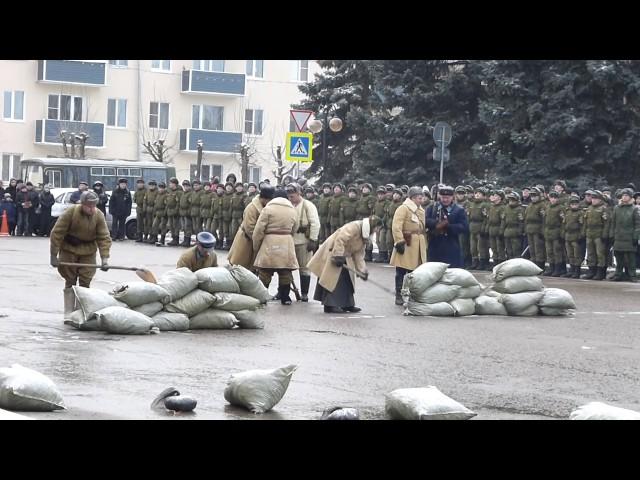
[124, 104]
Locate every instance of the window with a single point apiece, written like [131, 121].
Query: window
[54, 177]
[161, 65]
[300, 71]
[65, 107]
[253, 122]
[13, 105]
[10, 166]
[129, 172]
[255, 68]
[209, 65]
[207, 117]
[208, 171]
[255, 174]
[159, 115]
[119, 63]
[117, 112]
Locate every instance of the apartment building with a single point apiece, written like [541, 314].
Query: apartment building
[124, 104]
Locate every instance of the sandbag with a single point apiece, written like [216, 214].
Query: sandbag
[602, 411]
[424, 276]
[441, 309]
[75, 320]
[437, 293]
[27, 390]
[259, 390]
[249, 283]
[530, 311]
[516, 267]
[459, 276]
[149, 309]
[178, 282]
[519, 284]
[554, 312]
[340, 413]
[470, 292]
[556, 298]
[135, 294]
[486, 305]
[250, 319]
[216, 279]
[192, 303]
[90, 300]
[235, 302]
[492, 293]
[518, 302]
[424, 404]
[124, 321]
[463, 307]
[166, 321]
[212, 319]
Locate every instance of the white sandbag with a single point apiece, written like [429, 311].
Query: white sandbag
[486, 305]
[259, 390]
[234, 302]
[217, 279]
[602, 411]
[424, 404]
[527, 312]
[192, 303]
[556, 298]
[249, 283]
[124, 321]
[424, 276]
[492, 293]
[519, 284]
[471, 292]
[167, 321]
[135, 294]
[149, 309]
[250, 319]
[442, 309]
[27, 390]
[459, 276]
[463, 307]
[516, 267]
[90, 300]
[554, 312]
[518, 302]
[437, 293]
[212, 319]
[178, 282]
[76, 321]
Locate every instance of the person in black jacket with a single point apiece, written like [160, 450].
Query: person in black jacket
[445, 221]
[22, 206]
[7, 205]
[12, 189]
[75, 196]
[98, 188]
[1, 189]
[46, 201]
[120, 208]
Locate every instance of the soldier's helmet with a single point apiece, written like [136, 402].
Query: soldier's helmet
[499, 193]
[534, 191]
[197, 182]
[309, 189]
[513, 196]
[352, 188]
[398, 191]
[574, 199]
[326, 185]
[598, 194]
[186, 183]
[381, 189]
[174, 180]
[239, 184]
[367, 185]
[251, 184]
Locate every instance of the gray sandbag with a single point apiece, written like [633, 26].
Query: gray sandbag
[436, 293]
[259, 390]
[27, 390]
[135, 294]
[212, 319]
[234, 302]
[519, 284]
[178, 282]
[516, 267]
[491, 293]
[424, 276]
[250, 319]
[527, 312]
[602, 411]
[424, 404]
[463, 307]
[249, 283]
[486, 305]
[340, 413]
[90, 300]
[167, 321]
[459, 276]
[441, 309]
[124, 321]
[556, 298]
[76, 321]
[471, 292]
[149, 309]
[515, 303]
[192, 303]
[554, 312]
[217, 279]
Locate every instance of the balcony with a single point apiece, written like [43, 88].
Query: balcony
[48, 132]
[213, 83]
[92, 74]
[214, 141]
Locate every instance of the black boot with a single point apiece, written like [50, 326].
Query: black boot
[152, 239]
[590, 274]
[139, 238]
[474, 264]
[548, 270]
[305, 280]
[353, 309]
[399, 281]
[600, 273]
[556, 270]
[226, 245]
[162, 240]
[568, 273]
[186, 242]
[174, 241]
[368, 255]
[332, 309]
[284, 290]
[576, 271]
[541, 265]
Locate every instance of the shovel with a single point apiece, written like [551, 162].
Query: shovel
[143, 273]
[365, 278]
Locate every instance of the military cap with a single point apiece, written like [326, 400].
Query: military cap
[89, 197]
[574, 199]
[381, 189]
[239, 184]
[139, 180]
[468, 188]
[445, 190]
[174, 180]
[229, 184]
[481, 190]
[206, 240]
[541, 188]
[605, 189]
[352, 188]
[231, 175]
[309, 188]
[162, 185]
[500, 193]
[512, 196]
[562, 183]
[426, 193]
[398, 191]
[461, 189]
[404, 188]
[293, 187]
[597, 194]
[553, 193]
[122, 180]
[589, 192]
[414, 191]
[198, 182]
[98, 182]
[186, 183]
[81, 182]
[367, 185]
[251, 184]
[507, 190]
[338, 185]
[326, 185]
[153, 182]
[627, 191]
[534, 191]
[389, 188]
[390, 185]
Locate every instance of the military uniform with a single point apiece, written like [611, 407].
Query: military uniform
[478, 212]
[237, 206]
[465, 238]
[364, 209]
[226, 215]
[552, 230]
[159, 210]
[138, 199]
[495, 229]
[597, 220]
[205, 208]
[349, 206]
[513, 221]
[573, 228]
[185, 214]
[533, 218]
[173, 212]
[380, 210]
[335, 210]
[217, 227]
[625, 233]
[323, 213]
[391, 211]
[196, 203]
[147, 203]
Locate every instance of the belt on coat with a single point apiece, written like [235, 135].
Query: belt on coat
[278, 232]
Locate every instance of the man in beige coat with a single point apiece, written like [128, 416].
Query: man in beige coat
[273, 242]
[409, 238]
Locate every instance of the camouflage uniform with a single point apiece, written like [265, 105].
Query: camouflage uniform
[465, 238]
[513, 221]
[159, 226]
[552, 229]
[573, 228]
[138, 199]
[185, 214]
[478, 211]
[596, 230]
[173, 207]
[323, 213]
[147, 208]
[495, 229]
[533, 218]
[380, 210]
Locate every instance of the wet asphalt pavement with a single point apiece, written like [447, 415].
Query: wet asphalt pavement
[500, 367]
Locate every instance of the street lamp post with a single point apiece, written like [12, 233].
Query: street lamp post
[200, 144]
[316, 126]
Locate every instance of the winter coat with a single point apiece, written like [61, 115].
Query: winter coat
[409, 219]
[533, 218]
[102, 200]
[27, 201]
[513, 220]
[273, 236]
[445, 247]
[308, 222]
[13, 191]
[46, 201]
[347, 241]
[138, 199]
[9, 207]
[75, 196]
[241, 252]
[625, 227]
[120, 203]
[194, 262]
[88, 233]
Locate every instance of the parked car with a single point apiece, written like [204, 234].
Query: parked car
[63, 196]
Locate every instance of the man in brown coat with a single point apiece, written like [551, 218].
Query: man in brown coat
[273, 242]
[77, 234]
[200, 256]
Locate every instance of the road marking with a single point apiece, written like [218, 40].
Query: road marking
[610, 313]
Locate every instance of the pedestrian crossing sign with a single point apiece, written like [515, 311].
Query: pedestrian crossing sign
[299, 147]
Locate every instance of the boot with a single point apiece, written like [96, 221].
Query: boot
[600, 273]
[590, 274]
[174, 241]
[305, 280]
[399, 281]
[629, 275]
[187, 242]
[576, 271]
[284, 290]
[540, 265]
[219, 244]
[467, 262]
[368, 255]
[353, 309]
[563, 269]
[139, 238]
[568, 273]
[548, 270]
[69, 302]
[486, 266]
[557, 271]
[474, 264]
[226, 245]
[332, 309]
[380, 257]
[152, 239]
